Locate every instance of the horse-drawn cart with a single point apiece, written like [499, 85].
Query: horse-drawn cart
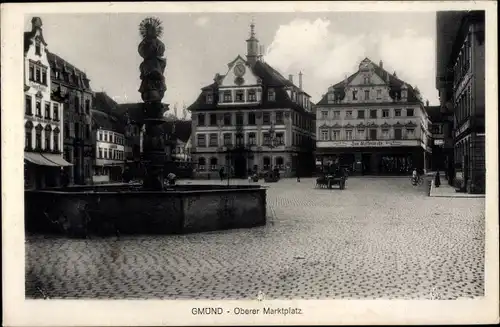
[328, 180]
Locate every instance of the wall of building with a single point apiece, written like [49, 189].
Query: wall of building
[110, 156]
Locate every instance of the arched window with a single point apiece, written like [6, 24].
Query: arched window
[48, 132]
[280, 164]
[213, 163]
[56, 139]
[266, 163]
[28, 132]
[201, 163]
[38, 137]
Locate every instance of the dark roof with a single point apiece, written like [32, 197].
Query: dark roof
[107, 121]
[104, 103]
[181, 131]
[434, 113]
[56, 62]
[395, 84]
[270, 78]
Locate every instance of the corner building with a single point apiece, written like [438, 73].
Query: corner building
[460, 80]
[252, 119]
[43, 112]
[374, 123]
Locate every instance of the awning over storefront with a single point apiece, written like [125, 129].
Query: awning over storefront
[51, 160]
[57, 159]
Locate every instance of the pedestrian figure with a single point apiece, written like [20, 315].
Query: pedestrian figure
[221, 173]
[437, 179]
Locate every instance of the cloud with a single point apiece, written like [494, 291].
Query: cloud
[202, 21]
[325, 54]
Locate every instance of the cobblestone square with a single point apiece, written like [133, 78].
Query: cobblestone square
[378, 238]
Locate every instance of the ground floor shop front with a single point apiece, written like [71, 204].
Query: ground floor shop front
[45, 170]
[470, 163]
[108, 174]
[241, 164]
[376, 161]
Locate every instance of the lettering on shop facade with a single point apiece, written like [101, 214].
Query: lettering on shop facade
[354, 144]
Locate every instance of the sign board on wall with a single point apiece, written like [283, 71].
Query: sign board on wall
[367, 144]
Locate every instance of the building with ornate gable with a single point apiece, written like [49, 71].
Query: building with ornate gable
[374, 123]
[252, 119]
[43, 115]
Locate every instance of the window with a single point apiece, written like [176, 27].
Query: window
[240, 139]
[355, 95]
[361, 133]
[201, 164]
[397, 112]
[385, 133]
[77, 131]
[252, 96]
[228, 139]
[77, 104]
[227, 119]
[28, 136]
[210, 98]
[336, 114]
[379, 94]
[410, 132]
[266, 139]
[324, 114]
[367, 80]
[367, 94]
[373, 113]
[87, 106]
[335, 135]
[385, 113]
[56, 112]
[240, 96]
[100, 153]
[38, 108]
[266, 163]
[227, 96]
[251, 118]
[348, 134]
[28, 105]
[105, 137]
[100, 136]
[324, 135]
[44, 76]
[38, 137]
[32, 72]
[331, 97]
[47, 110]
[48, 131]
[279, 118]
[373, 134]
[239, 119]
[271, 95]
[397, 133]
[213, 120]
[38, 48]
[213, 164]
[348, 114]
[280, 138]
[201, 140]
[280, 163]
[56, 140]
[252, 139]
[201, 119]
[266, 118]
[409, 112]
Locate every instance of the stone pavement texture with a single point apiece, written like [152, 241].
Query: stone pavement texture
[378, 238]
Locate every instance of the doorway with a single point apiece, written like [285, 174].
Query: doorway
[366, 163]
[240, 166]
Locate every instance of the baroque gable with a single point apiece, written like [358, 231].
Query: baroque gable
[239, 74]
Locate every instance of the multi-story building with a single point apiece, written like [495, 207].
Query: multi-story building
[108, 133]
[74, 86]
[43, 114]
[373, 123]
[442, 153]
[253, 119]
[460, 78]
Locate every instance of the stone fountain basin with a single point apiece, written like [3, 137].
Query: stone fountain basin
[106, 209]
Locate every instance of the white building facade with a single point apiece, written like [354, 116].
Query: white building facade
[373, 123]
[43, 115]
[110, 156]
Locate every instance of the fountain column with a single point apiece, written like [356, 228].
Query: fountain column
[152, 90]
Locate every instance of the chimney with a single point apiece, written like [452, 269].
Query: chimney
[381, 64]
[427, 103]
[300, 80]
[290, 78]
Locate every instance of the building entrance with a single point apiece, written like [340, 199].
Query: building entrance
[366, 167]
[240, 166]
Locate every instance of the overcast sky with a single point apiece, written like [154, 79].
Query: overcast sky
[324, 46]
